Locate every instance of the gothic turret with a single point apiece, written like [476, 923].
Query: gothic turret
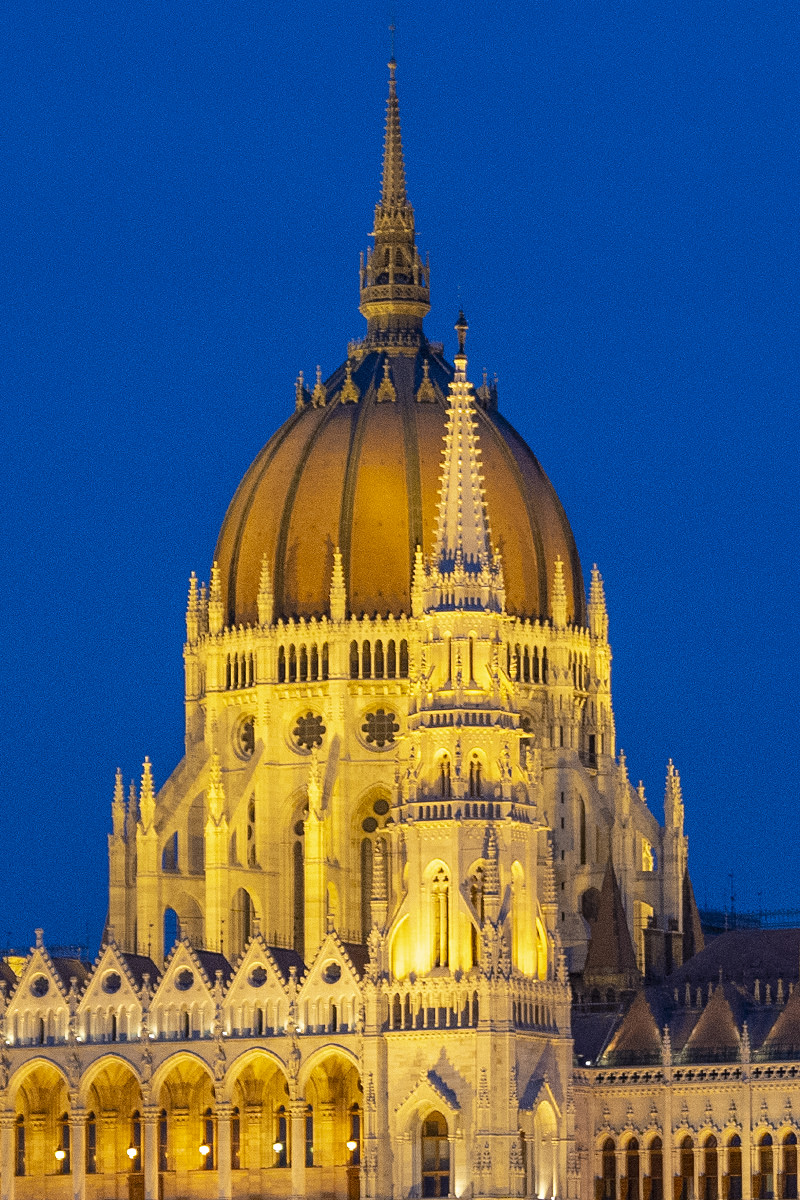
[395, 294]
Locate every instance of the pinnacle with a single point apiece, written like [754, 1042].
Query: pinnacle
[393, 183]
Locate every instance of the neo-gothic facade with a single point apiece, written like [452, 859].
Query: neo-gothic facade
[368, 938]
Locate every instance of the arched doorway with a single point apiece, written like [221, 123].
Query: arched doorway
[434, 1156]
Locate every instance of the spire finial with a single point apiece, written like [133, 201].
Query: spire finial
[461, 328]
[392, 62]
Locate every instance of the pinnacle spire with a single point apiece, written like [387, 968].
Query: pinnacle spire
[216, 791]
[338, 589]
[147, 799]
[559, 601]
[265, 595]
[395, 293]
[215, 611]
[598, 613]
[118, 806]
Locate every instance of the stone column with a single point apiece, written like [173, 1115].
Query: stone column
[107, 1142]
[185, 1160]
[324, 1135]
[77, 1146]
[298, 1147]
[150, 1119]
[35, 1149]
[224, 1180]
[8, 1120]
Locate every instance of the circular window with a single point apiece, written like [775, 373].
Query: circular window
[244, 737]
[381, 807]
[308, 731]
[379, 728]
[332, 973]
[184, 980]
[257, 977]
[112, 983]
[40, 985]
[369, 825]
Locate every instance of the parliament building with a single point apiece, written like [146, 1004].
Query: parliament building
[399, 924]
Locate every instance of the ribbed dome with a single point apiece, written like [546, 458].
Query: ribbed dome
[364, 476]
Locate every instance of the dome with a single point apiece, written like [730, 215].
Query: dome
[364, 476]
[358, 465]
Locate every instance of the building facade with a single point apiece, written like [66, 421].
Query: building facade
[383, 930]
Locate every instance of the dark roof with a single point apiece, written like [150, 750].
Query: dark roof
[591, 1032]
[358, 955]
[69, 968]
[742, 956]
[140, 965]
[7, 976]
[610, 956]
[284, 959]
[638, 1038]
[211, 962]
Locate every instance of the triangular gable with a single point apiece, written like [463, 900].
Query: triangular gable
[256, 981]
[610, 955]
[39, 1007]
[637, 1038]
[784, 1036]
[430, 1092]
[184, 983]
[332, 953]
[539, 1089]
[111, 982]
[716, 1027]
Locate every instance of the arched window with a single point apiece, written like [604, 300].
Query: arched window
[656, 1170]
[299, 895]
[686, 1163]
[309, 1136]
[526, 665]
[535, 664]
[765, 1189]
[440, 896]
[19, 1146]
[228, 674]
[236, 1140]
[632, 1170]
[517, 664]
[281, 665]
[325, 660]
[379, 660]
[476, 896]
[475, 785]
[366, 660]
[789, 1189]
[582, 829]
[391, 660]
[208, 1139]
[112, 1030]
[292, 664]
[354, 660]
[445, 782]
[314, 665]
[186, 1024]
[403, 659]
[281, 1144]
[258, 1022]
[63, 1154]
[40, 1035]
[91, 1144]
[303, 664]
[544, 665]
[608, 1190]
[162, 1140]
[708, 1182]
[435, 1155]
[735, 1168]
[135, 1160]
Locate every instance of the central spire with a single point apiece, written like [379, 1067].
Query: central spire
[395, 293]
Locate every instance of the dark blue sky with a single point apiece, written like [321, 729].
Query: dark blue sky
[612, 187]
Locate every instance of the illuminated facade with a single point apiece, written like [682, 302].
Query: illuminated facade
[386, 853]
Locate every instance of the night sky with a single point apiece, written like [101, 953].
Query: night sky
[612, 191]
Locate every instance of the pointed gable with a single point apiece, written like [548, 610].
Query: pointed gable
[637, 1040]
[610, 958]
[111, 1005]
[257, 1000]
[783, 1039]
[330, 995]
[716, 1033]
[39, 1009]
[184, 1003]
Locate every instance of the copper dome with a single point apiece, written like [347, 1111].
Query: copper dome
[364, 476]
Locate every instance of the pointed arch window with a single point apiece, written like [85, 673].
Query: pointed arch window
[208, 1138]
[535, 664]
[281, 1143]
[445, 782]
[435, 1156]
[379, 660]
[608, 1189]
[163, 1131]
[765, 1188]
[582, 829]
[440, 898]
[136, 1142]
[403, 659]
[735, 1168]
[686, 1177]
[391, 659]
[708, 1181]
[789, 1188]
[366, 660]
[91, 1144]
[656, 1169]
[632, 1170]
[544, 665]
[354, 660]
[476, 885]
[314, 663]
[303, 664]
[292, 664]
[475, 782]
[64, 1158]
[236, 1140]
[19, 1146]
[309, 1136]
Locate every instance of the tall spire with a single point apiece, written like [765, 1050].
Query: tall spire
[395, 292]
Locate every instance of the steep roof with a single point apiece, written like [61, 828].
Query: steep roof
[610, 958]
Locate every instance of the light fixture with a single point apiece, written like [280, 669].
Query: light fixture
[131, 1152]
[277, 1147]
[61, 1154]
[351, 1145]
[205, 1149]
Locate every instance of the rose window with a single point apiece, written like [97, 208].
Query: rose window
[380, 728]
[308, 731]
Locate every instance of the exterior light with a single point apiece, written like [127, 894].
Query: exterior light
[131, 1152]
[205, 1149]
[351, 1145]
[277, 1147]
[61, 1154]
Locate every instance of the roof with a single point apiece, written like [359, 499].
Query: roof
[140, 965]
[744, 955]
[285, 959]
[68, 969]
[610, 957]
[211, 962]
[365, 476]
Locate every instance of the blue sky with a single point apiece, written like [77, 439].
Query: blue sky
[611, 188]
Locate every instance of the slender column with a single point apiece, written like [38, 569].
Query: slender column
[298, 1111]
[36, 1163]
[150, 1118]
[77, 1144]
[324, 1118]
[224, 1179]
[107, 1141]
[8, 1120]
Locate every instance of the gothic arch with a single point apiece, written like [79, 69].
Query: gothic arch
[545, 1165]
